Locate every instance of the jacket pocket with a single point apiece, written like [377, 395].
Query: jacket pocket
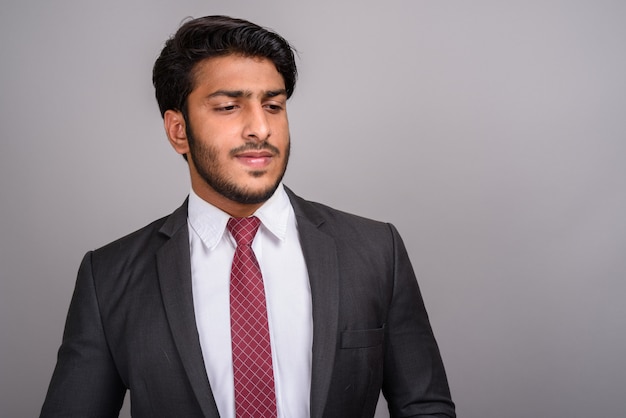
[362, 338]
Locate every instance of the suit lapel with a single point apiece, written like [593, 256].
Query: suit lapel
[320, 254]
[174, 269]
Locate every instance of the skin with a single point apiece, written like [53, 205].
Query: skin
[237, 141]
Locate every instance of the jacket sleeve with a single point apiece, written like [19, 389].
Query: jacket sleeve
[414, 380]
[85, 382]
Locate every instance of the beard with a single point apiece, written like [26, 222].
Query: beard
[206, 160]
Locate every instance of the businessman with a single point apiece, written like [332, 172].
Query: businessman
[246, 301]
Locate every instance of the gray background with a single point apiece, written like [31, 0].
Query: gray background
[492, 133]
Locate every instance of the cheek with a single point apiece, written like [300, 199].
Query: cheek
[282, 133]
[220, 143]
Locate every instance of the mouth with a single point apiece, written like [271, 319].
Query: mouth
[255, 159]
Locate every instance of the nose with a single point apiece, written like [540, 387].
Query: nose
[257, 127]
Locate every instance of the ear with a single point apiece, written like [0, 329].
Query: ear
[174, 123]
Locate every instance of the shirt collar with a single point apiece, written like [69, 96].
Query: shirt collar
[209, 222]
[274, 214]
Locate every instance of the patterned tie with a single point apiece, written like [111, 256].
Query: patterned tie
[252, 354]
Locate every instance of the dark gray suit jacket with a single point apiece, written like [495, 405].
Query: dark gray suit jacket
[131, 326]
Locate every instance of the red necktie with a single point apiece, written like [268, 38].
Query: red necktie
[252, 354]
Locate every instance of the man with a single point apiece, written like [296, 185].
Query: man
[338, 315]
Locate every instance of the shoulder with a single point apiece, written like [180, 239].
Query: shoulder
[146, 240]
[340, 224]
[319, 212]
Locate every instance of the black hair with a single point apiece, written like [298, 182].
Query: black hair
[213, 36]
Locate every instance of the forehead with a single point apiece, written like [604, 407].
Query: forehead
[236, 71]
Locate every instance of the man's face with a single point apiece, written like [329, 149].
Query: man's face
[237, 129]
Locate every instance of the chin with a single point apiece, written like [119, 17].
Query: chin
[247, 193]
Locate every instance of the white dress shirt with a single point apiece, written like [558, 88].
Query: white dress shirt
[287, 292]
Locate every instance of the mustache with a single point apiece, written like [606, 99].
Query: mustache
[253, 146]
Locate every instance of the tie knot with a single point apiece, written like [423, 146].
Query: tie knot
[244, 229]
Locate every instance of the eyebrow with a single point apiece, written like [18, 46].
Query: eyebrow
[246, 93]
[274, 93]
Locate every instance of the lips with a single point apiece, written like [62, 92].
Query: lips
[255, 159]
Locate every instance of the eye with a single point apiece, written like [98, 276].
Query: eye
[273, 107]
[227, 108]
